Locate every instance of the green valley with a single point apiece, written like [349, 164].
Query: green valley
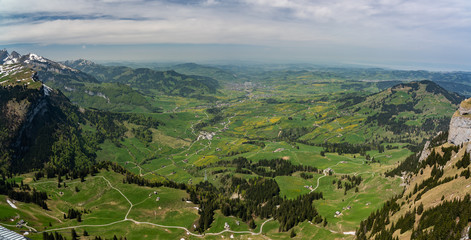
[244, 152]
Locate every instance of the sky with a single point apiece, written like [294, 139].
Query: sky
[434, 34]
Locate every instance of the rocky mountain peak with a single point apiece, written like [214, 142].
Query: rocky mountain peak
[3, 54]
[15, 54]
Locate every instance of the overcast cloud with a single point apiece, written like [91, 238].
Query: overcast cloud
[337, 30]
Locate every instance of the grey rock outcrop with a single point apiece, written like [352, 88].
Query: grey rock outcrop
[460, 124]
[425, 152]
[464, 111]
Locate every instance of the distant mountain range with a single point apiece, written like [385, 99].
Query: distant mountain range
[201, 70]
[111, 88]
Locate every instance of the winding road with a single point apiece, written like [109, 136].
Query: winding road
[126, 219]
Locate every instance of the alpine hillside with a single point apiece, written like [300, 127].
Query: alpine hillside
[436, 200]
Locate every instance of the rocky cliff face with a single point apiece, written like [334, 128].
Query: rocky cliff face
[460, 124]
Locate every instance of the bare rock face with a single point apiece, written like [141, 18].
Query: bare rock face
[460, 124]
[425, 152]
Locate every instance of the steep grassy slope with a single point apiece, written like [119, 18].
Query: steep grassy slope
[436, 200]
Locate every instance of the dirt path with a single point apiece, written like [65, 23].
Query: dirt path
[126, 219]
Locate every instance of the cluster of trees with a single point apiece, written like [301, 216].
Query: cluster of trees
[350, 99]
[371, 159]
[292, 212]
[410, 164]
[22, 192]
[217, 117]
[350, 148]
[439, 139]
[349, 183]
[292, 134]
[257, 197]
[464, 161]
[214, 110]
[200, 126]
[52, 172]
[256, 143]
[405, 222]
[260, 197]
[143, 134]
[38, 198]
[72, 214]
[277, 167]
[306, 175]
[53, 236]
[389, 147]
[74, 236]
[465, 173]
[233, 153]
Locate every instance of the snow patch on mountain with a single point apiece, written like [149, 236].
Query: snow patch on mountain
[34, 57]
[47, 90]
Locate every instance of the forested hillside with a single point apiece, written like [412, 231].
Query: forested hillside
[148, 80]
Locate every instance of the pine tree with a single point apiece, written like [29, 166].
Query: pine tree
[252, 224]
[420, 209]
[74, 234]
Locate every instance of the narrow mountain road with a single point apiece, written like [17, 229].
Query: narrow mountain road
[325, 175]
[318, 179]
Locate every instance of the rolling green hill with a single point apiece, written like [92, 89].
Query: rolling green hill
[202, 70]
[150, 81]
[408, 107]
[409, 112]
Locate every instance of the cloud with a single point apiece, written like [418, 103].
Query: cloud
[405, 25]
